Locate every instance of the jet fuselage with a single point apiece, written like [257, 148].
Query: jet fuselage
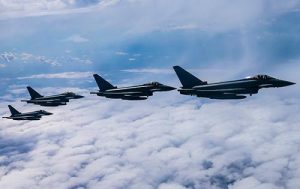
[53, 100]
[35, 115]
[137, 92]
[235, 89]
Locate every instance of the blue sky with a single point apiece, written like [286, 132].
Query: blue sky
[170, 140]
[112, 39]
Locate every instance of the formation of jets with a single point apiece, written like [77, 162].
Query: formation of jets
[191, 85]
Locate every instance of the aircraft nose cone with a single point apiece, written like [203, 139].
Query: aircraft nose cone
[286, 83]
[79, 96]
[168, 88]
[291, 83]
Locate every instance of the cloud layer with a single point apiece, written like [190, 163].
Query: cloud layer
[167, 142]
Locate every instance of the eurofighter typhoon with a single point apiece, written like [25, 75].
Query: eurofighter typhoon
[53, 100]
[16, 115]
[137, 92]
[236, 89]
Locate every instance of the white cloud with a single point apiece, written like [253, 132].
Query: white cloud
[64, 75]
[37, 5]
[7, 57]
[120, 53]
[19, 8]
[168, 141]
[33, 5]
[81, 61]
[150, 70]
[24, 57]
[171, 186]
[42, 59]
[76, 39]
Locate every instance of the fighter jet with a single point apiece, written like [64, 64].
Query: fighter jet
[36, 115]
[236, 89]
[54, 100]
[137, 92]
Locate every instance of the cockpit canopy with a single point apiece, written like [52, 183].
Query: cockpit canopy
[261, 77]
[154, 83]
[69, 93]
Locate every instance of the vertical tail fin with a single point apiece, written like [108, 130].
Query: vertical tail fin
[33, 93]
[13, 111]
[187, 79]
[102, 83]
